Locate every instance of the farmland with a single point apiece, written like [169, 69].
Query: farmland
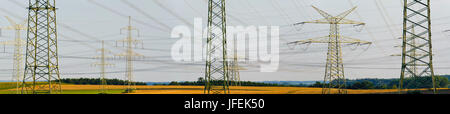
[9, 88]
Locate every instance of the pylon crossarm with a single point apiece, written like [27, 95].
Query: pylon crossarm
[301, 23]
[128, 28]
[14, 25]
[345, 14]
[133, 41]
[351, 22]
[319, 21]
[350, 40]
[126, 54]
[241, 68]
[104, 50]
[24, 23]
[7, 43]
[323, 13]
[324, 39]
[102, 64]
[8, 28]
[121, 54]
[13, 42]
[10, 21]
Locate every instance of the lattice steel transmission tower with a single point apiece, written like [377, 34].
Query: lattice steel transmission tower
[41, 63]
[102, 64]
[216, 71]
[235, 77]
[129, 43]
[417, 39]
[18, 44]
[334, 70]
[234, 67]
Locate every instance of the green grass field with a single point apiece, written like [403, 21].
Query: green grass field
[7, 85]
[9, 88]
[71, 92]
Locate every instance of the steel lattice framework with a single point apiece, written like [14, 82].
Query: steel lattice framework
[216, 71]
[235, 76]
[102, 64]
[41, 66]
[234, 68]
[18, 44]
[334, 70]
[413, 54]
[417, 53]
[130, 55]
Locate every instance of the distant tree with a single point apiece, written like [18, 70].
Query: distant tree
[442, 82]
[362, 85]
[317, 84]
[174, 83]
[384, 86]
[394, 87]
[200, 79]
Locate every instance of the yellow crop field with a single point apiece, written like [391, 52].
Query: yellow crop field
[117, 89]
[247, 90]
[236, 90]
[233, 90]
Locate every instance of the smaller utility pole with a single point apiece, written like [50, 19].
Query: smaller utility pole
[102, 66]
[18, 44]
[129, 43]
[234, 67]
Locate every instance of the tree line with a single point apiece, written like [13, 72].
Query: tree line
[96, 81]
[201, 82]
[409, 83]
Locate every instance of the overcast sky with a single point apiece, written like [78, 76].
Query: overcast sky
[83, 23]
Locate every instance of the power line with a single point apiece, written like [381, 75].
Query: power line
[166, 27]
[124, 15]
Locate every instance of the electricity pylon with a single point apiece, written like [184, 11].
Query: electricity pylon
[102, 66]
[18, 44]
[234, 67]
[417, 25]
[130, 55]
[41, 63]
[334, 70]
[216, 70]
